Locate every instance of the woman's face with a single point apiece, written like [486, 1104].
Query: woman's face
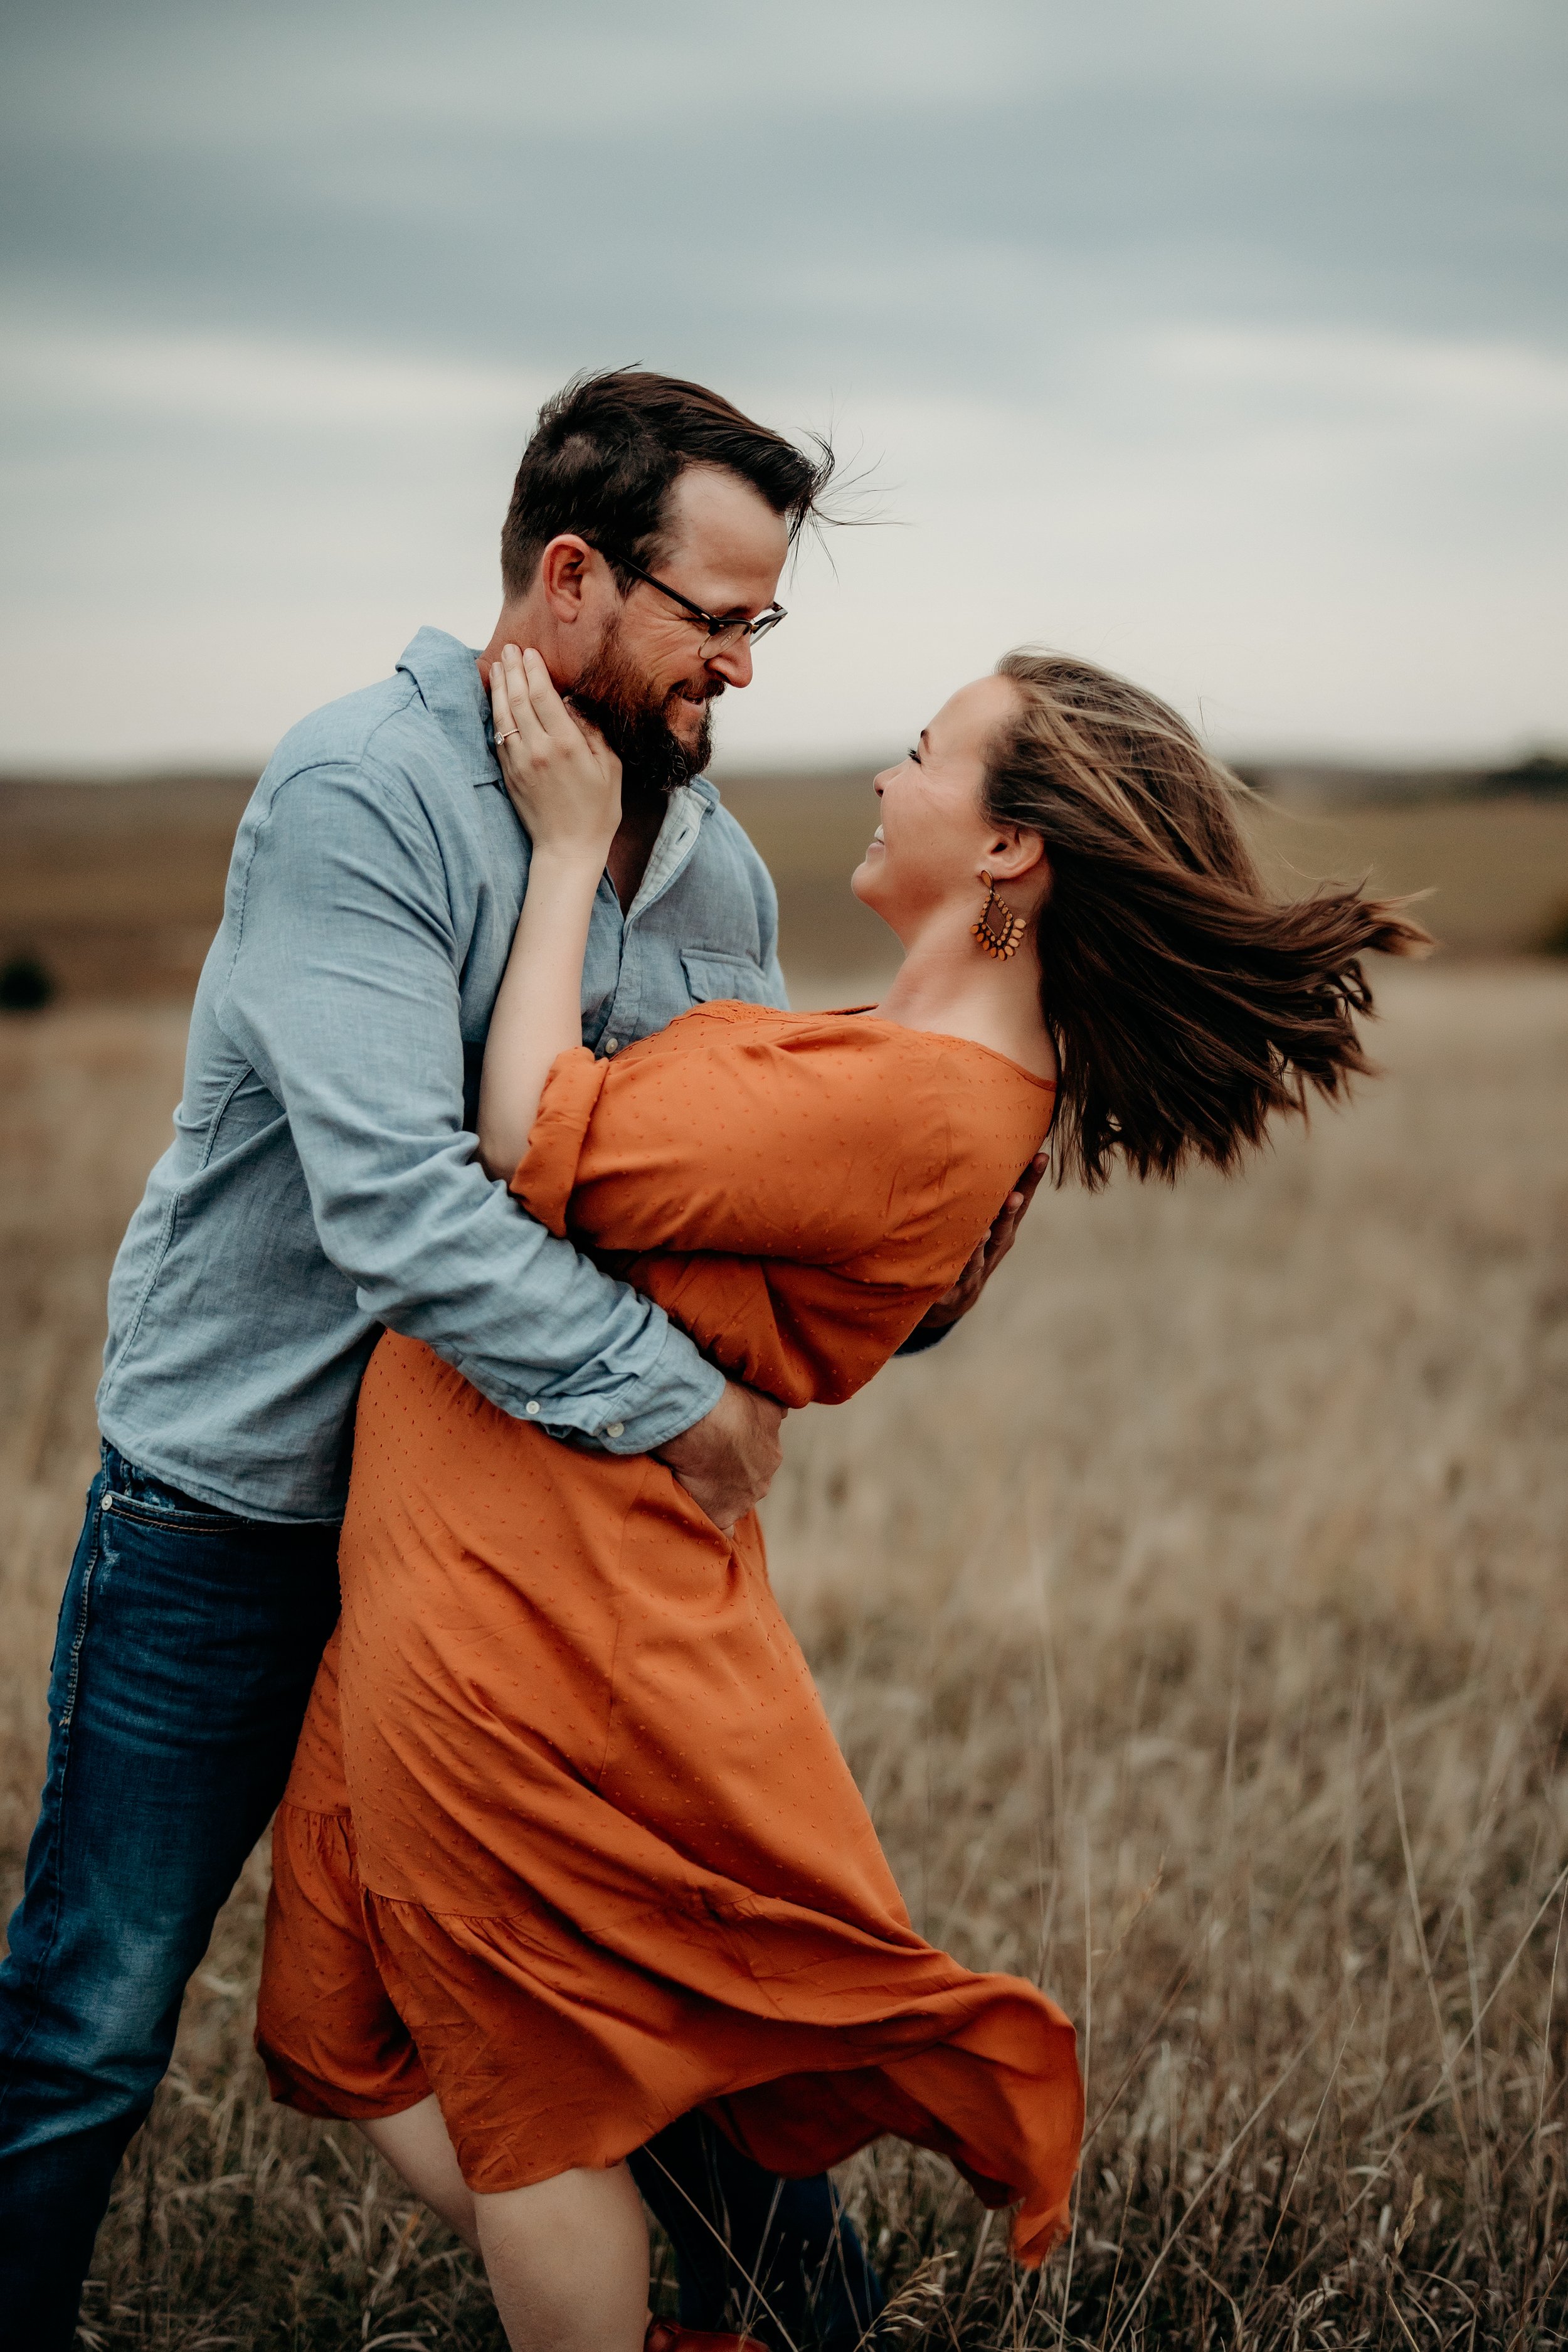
[935, 835]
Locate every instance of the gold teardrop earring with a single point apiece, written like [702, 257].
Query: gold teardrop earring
[999, 930]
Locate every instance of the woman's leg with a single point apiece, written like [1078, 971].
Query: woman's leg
[418, 2145]
[566, 2259]
[567, 2262]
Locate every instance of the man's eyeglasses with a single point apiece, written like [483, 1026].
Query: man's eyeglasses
[716, 633]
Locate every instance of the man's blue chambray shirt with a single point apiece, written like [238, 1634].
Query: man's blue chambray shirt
[323, 1179]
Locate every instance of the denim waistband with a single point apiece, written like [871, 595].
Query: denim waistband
[123, 1477]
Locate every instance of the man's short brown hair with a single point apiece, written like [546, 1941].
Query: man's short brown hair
[608, 449]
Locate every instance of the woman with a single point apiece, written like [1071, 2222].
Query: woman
[569, 1850]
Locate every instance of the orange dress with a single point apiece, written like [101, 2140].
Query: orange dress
[568, 1839]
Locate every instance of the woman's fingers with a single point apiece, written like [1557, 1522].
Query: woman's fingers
[560, 776]
[609, 765]
[509, 707]
[563, 724]
[500, 701]
[537, 714]
[543, 701]
[519, 696]
[559, 721]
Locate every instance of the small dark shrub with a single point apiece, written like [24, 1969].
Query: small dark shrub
[1554, 938]
[25, 985]
[1544, 776]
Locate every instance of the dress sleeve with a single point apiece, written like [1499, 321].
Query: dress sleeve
[548, 1170]
[804, 1334]
[816, 1147]
[795, 1206]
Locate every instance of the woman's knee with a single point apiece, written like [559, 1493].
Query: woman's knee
[567, 2261]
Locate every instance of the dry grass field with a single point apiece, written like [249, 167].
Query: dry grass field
[1195, 1623]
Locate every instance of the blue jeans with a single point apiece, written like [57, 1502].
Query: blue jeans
[188, 1641]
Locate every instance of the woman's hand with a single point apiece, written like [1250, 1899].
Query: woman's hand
[561, 775]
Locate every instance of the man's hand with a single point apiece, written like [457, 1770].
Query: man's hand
[728, 1461]
[988, 1256]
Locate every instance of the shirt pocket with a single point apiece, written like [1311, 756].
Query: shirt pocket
[714, 975]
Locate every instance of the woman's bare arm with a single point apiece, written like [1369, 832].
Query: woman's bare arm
[565, 784]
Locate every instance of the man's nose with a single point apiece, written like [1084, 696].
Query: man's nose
[733, 663]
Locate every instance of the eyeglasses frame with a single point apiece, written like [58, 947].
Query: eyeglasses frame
[748, 631]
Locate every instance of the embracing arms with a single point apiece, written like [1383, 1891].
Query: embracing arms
[339, 986]
[795, 1192]
[840, 1164]
[565, 784]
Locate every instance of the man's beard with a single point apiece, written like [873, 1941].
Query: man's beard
[635, 723]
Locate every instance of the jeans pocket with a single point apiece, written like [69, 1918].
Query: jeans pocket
[169, 1520]
[76, 1605]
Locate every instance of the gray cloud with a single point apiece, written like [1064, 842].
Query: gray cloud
[1145, 235]
[361, 171]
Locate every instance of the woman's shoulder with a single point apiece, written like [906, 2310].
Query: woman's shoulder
[852, 1031]
[843, 1108]
[860, 1029]
[979, 1090]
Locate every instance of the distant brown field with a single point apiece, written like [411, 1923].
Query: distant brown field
[1194, 1623]
[118, 888]
[1498, 870]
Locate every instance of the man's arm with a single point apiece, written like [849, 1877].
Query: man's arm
[342, 995]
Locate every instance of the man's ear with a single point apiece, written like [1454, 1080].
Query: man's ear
[563, 573]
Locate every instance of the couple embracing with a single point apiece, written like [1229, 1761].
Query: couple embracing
[508, 1211]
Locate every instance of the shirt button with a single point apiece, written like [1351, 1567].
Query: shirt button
[614, 1429]
[532, 1405]
[612, 1045]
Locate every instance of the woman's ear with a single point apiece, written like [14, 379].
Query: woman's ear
[1015, 853]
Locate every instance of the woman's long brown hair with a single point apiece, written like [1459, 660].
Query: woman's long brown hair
[1186, 1003]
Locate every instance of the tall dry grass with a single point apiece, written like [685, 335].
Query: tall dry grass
[1194, 1620]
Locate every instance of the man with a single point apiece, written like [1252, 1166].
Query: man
[323, 1183]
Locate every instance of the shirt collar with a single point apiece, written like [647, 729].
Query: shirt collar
[446, 673]
[688, 804]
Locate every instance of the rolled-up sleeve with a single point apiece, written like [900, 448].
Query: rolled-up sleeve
[548, 1170]
[796, 1204]
[820, 1147]
[342, 995]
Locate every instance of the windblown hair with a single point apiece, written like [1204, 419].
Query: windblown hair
[1186, 1001]
[608, 449]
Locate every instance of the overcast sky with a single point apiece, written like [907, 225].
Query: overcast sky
[1223, 340]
